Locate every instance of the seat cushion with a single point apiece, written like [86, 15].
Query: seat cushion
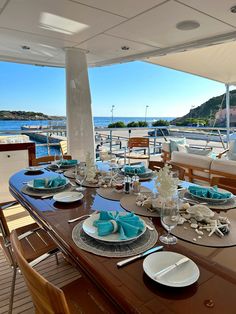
[226, 166]
[166, 146]
[231, 154]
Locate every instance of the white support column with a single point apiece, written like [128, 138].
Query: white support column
[80, 129]
[227, 113]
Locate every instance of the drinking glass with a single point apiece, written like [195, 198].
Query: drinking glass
[170, 218]
[80, 177]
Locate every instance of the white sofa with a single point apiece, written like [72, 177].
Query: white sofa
[200, 169]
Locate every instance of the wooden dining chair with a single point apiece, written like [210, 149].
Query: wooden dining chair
[157, 165]
[47, 159]
[36, 244]
[77, 297]
[224, 183]
[64, 150]
[134, 147]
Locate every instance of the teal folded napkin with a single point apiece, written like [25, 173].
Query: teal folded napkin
[68, 162]
[211, 192]
[135, 169]
[49, 182]
[128, 226]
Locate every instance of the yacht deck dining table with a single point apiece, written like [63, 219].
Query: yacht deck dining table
[128, 288]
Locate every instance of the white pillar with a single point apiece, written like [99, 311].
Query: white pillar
[227, 113]
[80, 129]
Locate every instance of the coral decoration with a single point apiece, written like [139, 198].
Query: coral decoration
[165, 183]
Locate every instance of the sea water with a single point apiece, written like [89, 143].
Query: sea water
[15, 125]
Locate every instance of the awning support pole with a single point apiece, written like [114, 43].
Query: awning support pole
[227, 113]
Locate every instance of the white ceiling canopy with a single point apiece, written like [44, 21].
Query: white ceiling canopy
[216, 62]
[116, 31]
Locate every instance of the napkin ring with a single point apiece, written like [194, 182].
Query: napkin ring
[115, 226]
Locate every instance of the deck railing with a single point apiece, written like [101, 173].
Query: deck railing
[116, 138]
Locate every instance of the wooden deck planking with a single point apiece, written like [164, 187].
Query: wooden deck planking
[60, 274]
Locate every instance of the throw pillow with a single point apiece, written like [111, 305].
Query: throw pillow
[175, 142]
[182, 148]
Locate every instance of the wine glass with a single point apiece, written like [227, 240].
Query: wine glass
[80, 177]
[170, 218]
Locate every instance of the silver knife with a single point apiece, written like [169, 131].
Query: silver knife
[133, 258]
[171, 267]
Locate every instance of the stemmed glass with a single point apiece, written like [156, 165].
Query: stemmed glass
[80, 176]
[170, 218]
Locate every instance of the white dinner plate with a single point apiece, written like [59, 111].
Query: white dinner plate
[215, 200]
[91, 230]
[30, 184]
[181, 276]
[34, 169]
[68, 197]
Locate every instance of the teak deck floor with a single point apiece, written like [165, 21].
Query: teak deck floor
[60, 275]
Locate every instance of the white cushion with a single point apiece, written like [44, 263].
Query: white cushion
[231, 154]
[198, 151]
[14, 139]
[182, 148]
[193, 160]
[166, 146]
[227, 166]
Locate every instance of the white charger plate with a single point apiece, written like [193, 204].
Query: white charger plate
[30, 184]
[91, 230]
[215, 200]
[181, 276]
[68, 197]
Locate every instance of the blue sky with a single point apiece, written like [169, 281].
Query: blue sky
[130, 87]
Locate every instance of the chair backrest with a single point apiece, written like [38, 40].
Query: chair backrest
[47, 159]
[47, 298]
[224, 183]
[63, 147]
[138, 142]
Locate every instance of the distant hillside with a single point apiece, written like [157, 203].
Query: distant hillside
[208, 109]
[26, 115]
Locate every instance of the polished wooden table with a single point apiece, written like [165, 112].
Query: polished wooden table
[129, 288]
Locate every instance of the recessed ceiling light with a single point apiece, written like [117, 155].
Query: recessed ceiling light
[24, 47]
[233, 9]
[187, 25]
[124, 48]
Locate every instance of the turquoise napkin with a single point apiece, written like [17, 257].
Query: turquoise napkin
[128, 226]
[49, 182]
[68, 162]
[134, 169]
[211, 192]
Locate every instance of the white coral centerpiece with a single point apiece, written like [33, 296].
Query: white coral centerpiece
[91, 170]
[165, 183]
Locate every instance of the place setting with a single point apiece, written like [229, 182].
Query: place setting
[62, 165]
[214, 197]
[144, 173]
[114, 234]
[59, 188]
